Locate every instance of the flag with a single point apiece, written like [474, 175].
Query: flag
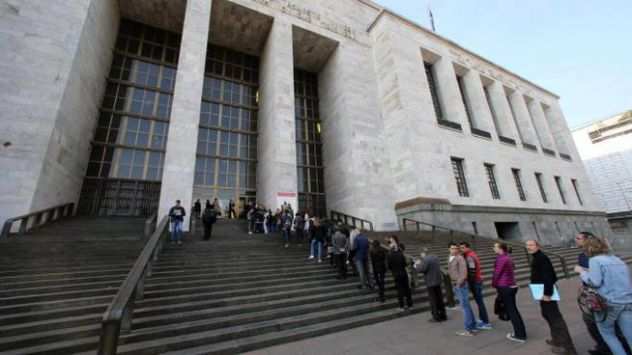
[432, 24]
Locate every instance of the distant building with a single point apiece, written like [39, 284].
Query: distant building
[605, 146]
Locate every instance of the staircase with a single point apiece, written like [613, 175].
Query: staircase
[234, 293]
[56, 282]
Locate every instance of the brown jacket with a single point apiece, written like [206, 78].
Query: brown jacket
[458, 270]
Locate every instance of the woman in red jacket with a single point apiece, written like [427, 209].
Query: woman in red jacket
[505, 284]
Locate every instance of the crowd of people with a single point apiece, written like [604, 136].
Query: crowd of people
[605, 295]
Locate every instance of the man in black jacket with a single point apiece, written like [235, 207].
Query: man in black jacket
[542, 272]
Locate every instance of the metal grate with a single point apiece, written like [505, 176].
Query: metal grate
[491, 180]
[518, 180]
[459, 175]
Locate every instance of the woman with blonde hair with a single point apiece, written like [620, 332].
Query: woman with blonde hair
[610, 276]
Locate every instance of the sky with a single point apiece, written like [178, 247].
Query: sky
[580, 50]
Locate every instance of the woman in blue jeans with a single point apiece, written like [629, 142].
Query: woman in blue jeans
[611, 278]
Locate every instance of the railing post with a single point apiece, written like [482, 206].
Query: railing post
[449, 292]
[109, 338]
[128, 314]
[433, 232]
[24, 223]
[140, 286]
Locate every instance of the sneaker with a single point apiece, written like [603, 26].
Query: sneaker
[512, 337]
[319, 260]
[448, 308]
[310, 257]
[484, 326]
[401, 310]
[287, 245]
[465, 333]
[179, 242]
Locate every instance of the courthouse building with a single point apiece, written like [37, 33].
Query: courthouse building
[605, 146]
[125, 106]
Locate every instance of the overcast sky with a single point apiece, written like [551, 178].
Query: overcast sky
[578, 49]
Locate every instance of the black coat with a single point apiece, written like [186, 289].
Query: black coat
[378, 260]
[542, 272]
[397, 263]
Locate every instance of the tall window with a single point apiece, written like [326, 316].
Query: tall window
[518, 180]
[466, 102]
[126, 161]
[459, 175]
[579, 198]
[434, 90]
[538, 178]
[227, 140]
[309, 161]
[491, 180]
[558, 183]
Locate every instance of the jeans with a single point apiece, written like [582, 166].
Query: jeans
[286, 235]
[361, 268]
[403, 290]
[620, 314]
[379, 282]
[477, 292]
[593, 330]
[316, 249]
[463, 294]
[559, 331]
[435, 297]
[508, 296]
[176, 231]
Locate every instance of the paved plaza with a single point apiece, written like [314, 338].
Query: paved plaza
[415, 335]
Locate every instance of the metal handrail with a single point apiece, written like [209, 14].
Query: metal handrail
[344, 218]
[475, 236]
[119, 314]
[42, 217]
[435, 227]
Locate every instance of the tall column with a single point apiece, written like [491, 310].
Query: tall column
[476, 95]
[559, 129]
[523, 118]
[503, 111]
[449, 92]
[276, 154]
[541, 126]
[179, 168]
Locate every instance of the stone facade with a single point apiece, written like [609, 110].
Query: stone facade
[382, 141]
[54, 58]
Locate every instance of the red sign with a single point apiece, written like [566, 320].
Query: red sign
[286, 194]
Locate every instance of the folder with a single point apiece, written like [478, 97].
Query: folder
[537, 291]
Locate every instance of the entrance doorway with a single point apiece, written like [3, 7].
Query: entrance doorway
[508, 230]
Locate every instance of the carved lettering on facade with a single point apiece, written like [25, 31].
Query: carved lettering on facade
[293, 9]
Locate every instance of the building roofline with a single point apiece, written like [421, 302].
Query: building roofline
[598, 120]
[418, 26]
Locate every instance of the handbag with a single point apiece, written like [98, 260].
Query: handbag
[590, 301]
[499, 309]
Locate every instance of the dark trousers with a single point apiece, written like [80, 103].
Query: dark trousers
[208, 229]
[437, 307]
[559, 331]
[403, 290]
[508, 296]
[341, 265]
[379, 282]
[299, 235]
[601, 346]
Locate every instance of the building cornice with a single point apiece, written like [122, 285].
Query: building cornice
[385, 11]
